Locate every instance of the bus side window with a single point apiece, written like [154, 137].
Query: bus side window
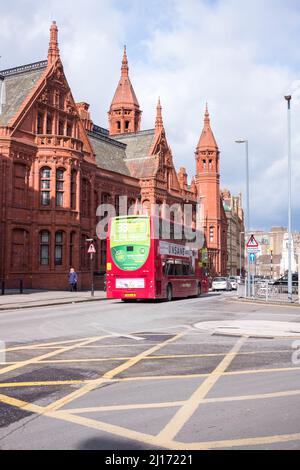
[178, 268]
[186, 269]
[168, 270]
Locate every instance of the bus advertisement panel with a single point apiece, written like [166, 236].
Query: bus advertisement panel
[141, 266]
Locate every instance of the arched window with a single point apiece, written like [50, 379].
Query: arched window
[59, 236]
[211, 234]
[59, 196]
[204, 164]
[44, 248]
[73, 187]
[45, 178]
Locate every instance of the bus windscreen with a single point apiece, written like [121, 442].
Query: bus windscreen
[130, 242]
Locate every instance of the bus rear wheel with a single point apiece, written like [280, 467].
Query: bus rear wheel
[169, 293]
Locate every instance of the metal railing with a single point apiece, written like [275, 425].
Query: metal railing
[268, 291]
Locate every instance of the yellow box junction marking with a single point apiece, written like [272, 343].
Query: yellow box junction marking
[187, 407]
[191, 405]
[111, 374]
[34, 360]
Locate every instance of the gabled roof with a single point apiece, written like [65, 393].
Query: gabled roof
[16, 85]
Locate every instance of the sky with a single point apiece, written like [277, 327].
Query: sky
[240, 56]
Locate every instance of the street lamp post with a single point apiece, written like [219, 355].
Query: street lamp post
[241, 233]
[245, 141]
[290, 288]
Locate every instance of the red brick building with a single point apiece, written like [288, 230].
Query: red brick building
[57, 166]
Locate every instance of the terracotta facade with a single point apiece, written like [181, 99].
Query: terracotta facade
[57, 166]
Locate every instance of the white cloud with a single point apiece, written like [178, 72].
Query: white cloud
[241, 57]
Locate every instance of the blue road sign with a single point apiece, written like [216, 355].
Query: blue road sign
[252, 257]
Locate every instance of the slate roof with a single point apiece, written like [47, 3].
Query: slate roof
[16, 85]
[110, 155]
[138, 144]
[125, 153]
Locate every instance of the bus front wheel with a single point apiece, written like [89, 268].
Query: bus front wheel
[169, 293]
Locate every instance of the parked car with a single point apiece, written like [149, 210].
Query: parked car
[221, 283]
[283, 280]
[233, 282]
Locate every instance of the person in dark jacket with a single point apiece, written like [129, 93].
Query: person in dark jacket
[73, 280]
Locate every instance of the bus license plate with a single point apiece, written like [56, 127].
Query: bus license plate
[130, 295]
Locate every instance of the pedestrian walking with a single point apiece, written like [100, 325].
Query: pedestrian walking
[73, 280]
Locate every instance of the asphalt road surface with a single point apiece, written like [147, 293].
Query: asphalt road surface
[112, 375]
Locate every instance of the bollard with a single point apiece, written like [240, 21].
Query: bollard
[267, 291]
[21, 286]
[2, 287]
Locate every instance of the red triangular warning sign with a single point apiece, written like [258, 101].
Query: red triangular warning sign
[252, 243]
[92, 248]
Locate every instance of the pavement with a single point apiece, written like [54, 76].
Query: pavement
[33, 298]
[118, 376]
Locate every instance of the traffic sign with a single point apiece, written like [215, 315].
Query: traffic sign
[252, 245]
[92, 248]
[252, 257]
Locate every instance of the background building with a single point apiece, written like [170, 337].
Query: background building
[272, 257]
[235, 233]
[57, 167]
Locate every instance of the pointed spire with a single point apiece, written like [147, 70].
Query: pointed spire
[207, 139]
[129, 119]
[53, 51]
[159, 125]
[206, 116]
[124, 68]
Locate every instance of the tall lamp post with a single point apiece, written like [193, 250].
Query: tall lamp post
[241, 233]
[247, 228]
[290, 287]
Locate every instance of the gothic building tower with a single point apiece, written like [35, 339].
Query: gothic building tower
[124, 114]
[208, 190]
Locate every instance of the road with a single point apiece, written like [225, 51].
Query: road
[113, 375]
